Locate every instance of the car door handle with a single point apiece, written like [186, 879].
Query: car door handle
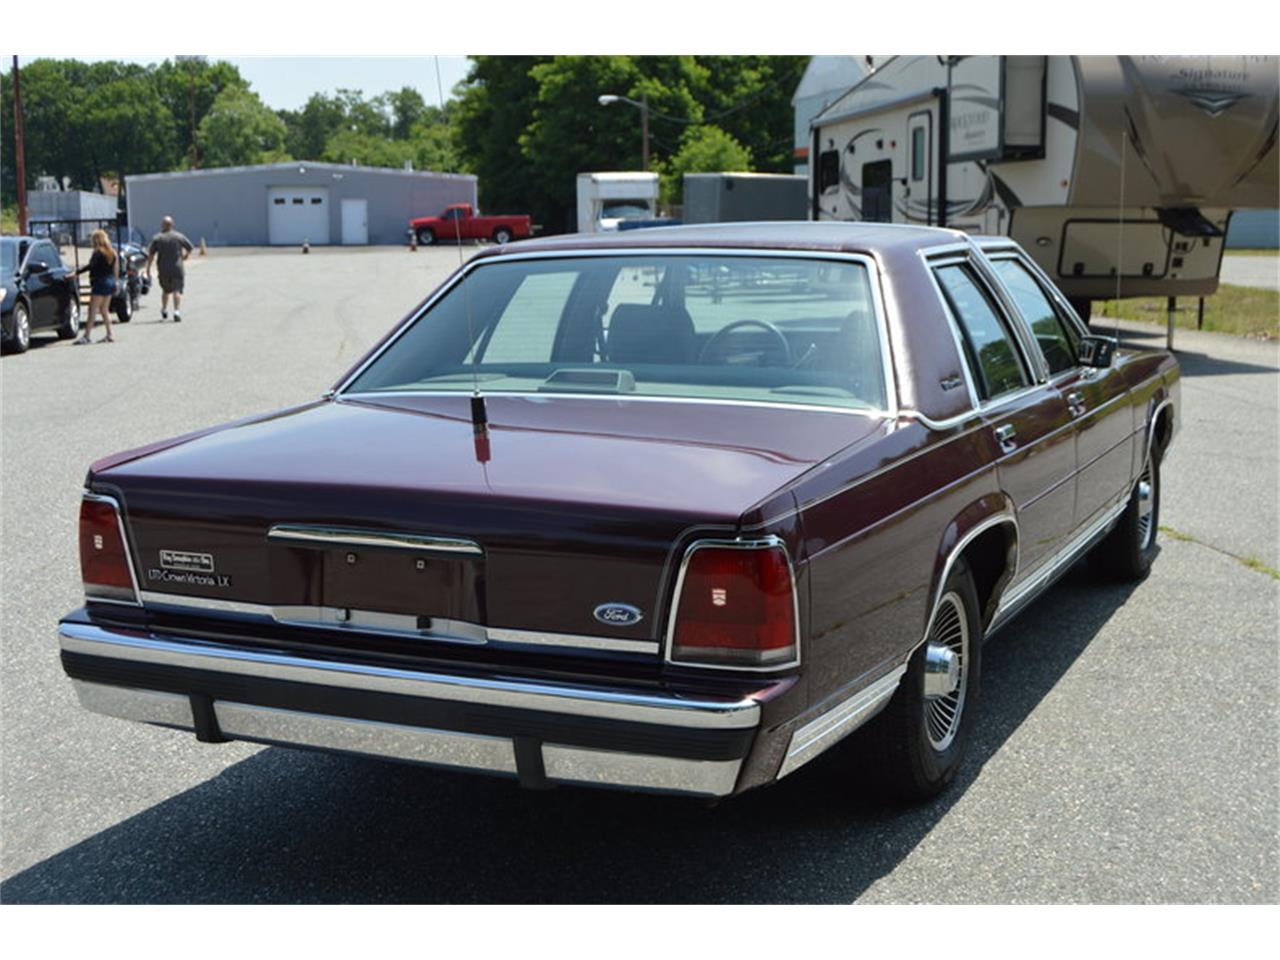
[1005, 434]
[1075, 403]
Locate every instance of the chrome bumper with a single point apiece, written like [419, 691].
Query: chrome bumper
[536, 731]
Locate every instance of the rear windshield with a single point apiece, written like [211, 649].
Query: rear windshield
[775, 329]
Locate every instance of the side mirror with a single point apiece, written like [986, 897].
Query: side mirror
[1096, 352]
[37, 267]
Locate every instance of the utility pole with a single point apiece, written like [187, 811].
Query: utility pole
[19, 156]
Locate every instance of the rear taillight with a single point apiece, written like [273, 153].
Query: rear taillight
[736, 606]
[104, 559]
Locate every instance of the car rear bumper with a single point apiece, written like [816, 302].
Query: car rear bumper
[539, 732]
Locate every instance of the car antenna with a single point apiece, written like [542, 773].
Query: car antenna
[479, 416]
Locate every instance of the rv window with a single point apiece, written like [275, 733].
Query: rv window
[917, 154]
[1054, 338]
[989, 350]
[828, 169]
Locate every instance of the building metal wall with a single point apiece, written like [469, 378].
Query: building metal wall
[228, 207]
[72, 205]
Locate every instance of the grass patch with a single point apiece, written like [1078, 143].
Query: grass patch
[1242, 311]
[9, 220]
[1253, 563]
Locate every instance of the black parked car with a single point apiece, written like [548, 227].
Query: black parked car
[39, 292]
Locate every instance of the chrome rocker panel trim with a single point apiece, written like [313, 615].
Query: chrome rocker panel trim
[563, 763]
[834, 725]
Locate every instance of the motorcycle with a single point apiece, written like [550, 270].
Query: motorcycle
[134, 283]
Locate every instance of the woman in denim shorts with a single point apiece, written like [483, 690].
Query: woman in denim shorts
[104, 270]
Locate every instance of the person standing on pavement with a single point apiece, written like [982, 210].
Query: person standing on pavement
[170, 250]
[104, 273]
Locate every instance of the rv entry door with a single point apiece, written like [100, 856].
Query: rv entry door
[877, 191]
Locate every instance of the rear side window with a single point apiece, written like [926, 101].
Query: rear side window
[988, 345]
[1056, 340]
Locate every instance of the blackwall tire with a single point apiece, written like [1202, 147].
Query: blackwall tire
[1127, 552]
[69, 325]
[915, 747]
[123, 309]
[502, 235]
[426, 237]
[21, 329]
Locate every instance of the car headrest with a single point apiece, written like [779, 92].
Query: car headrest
[650, 333]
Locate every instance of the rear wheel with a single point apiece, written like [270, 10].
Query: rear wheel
[502, 235]
[69, 324]
[426, 236]
[1128, 550]
[123, 308]
[918, 742]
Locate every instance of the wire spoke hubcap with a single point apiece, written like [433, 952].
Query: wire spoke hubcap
[1146, 506]
[949, 644]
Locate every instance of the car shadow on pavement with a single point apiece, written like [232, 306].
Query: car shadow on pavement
[288, 826]
[1192, 364]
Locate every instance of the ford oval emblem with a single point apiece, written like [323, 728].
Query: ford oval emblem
[618, 614]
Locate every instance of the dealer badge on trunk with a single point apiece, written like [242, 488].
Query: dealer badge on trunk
[186, 567]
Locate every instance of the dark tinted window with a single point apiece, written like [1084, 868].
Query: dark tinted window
[917, 154]
[1055, 339]
[992, 357]
[828, 169]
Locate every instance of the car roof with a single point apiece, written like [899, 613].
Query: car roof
[798, 235]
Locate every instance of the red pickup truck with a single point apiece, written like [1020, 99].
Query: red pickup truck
[460, 222]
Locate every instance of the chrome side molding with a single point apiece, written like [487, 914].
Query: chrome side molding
[841, 720]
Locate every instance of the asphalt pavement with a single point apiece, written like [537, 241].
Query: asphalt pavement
[1128, 748]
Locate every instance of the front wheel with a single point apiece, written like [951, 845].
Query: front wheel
[123, 309]
[21, 328]
[426, 236]
[1127, 552]
[502, 235]
[919, 741]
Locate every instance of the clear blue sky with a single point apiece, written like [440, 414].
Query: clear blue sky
[285, 83]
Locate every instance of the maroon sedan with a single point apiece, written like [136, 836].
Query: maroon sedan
[670, 510]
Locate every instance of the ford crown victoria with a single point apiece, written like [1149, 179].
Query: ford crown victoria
[671, 510]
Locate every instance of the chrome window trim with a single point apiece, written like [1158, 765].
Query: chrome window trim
[1022, 331]
[128, 552]
[464, 629]
[1059, 304]
[756, 543]
[323, 535]
[371, 396]
[1030, 370]
[176, 650]
[870, 263]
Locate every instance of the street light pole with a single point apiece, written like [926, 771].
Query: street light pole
[19, 151]
[643, 106]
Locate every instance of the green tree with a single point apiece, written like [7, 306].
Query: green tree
[189, 86]
[703, 149]
[240, 130]
[408, 109]
[495, 104]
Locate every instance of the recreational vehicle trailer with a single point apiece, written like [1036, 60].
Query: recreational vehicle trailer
[1093, 164]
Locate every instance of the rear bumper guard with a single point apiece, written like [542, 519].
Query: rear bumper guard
[541, 733]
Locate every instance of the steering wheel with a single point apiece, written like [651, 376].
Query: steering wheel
[764, 325]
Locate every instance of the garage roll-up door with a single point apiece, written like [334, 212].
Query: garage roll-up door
[295, 214]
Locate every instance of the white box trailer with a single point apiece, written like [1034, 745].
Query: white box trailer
[1093, 164]
[604, 199]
